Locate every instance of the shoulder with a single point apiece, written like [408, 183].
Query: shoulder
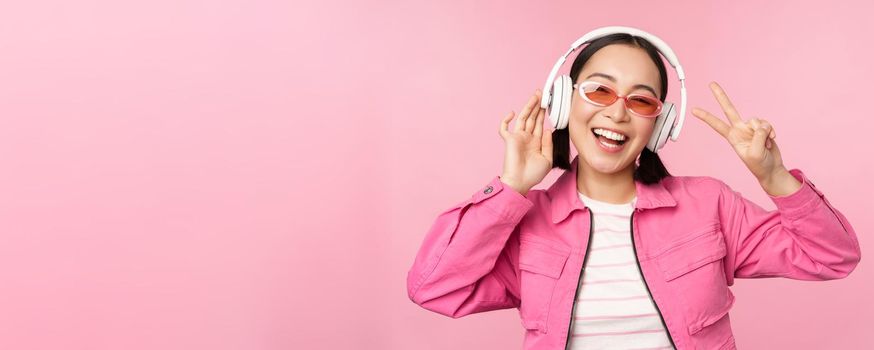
[702, 184]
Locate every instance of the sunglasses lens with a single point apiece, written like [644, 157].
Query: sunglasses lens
[599, 94]
[644, 105]
[603, 95]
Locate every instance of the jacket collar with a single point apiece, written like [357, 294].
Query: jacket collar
[565, 196]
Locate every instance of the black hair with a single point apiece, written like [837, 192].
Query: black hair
[650, 168]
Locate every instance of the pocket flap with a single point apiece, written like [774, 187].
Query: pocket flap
[712, 318]
[691, 252]
[540, 257]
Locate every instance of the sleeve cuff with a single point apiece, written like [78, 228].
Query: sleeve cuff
[795, 203]
[503, 200]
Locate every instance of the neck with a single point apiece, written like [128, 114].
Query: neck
[615, 188]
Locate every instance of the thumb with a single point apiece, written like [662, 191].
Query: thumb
[759, 137]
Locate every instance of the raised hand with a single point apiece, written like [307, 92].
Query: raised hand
[528, 153]
[752, 139]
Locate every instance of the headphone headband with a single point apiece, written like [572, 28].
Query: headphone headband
[662, 47]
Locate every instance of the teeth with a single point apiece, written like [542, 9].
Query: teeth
[610, 135]
[608, 145]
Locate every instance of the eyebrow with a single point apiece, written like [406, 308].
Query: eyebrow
[611, 78]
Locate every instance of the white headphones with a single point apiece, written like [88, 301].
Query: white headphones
[559, 107]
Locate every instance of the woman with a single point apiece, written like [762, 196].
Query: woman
[659, 251]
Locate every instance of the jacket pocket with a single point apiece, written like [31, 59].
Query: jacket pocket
[541, 262]
[693, 268]
[700, 247]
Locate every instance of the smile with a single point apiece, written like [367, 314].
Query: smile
[608, 144]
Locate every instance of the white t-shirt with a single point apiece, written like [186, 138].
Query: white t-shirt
[614, 309]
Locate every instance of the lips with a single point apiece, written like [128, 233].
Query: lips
[604, 145]
[599, 137]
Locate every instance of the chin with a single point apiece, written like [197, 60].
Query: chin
[602, 162]
[602, 165]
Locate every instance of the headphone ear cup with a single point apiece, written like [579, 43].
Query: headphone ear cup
[560, 103]
[664, 124]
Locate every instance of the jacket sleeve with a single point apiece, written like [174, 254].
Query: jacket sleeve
[468, 260]
[806, 238]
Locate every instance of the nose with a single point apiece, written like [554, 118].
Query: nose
[617, 110]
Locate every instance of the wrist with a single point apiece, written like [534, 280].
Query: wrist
[780, 183]
[509, 182]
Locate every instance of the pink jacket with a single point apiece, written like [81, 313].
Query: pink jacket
[693, 235]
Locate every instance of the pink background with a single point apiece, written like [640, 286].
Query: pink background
[259, 175]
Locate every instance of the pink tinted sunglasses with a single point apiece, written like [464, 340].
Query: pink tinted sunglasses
[602, 95]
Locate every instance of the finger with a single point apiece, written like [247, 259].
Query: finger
[714, 122]
[546, 144]
[505, 123]
[727, 106]
[538, 126]
[754, 123]
[770, 128]
[534, 119]
[758, 125]
[520, 122]
[761, 123]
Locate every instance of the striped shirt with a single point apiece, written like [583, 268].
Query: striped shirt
[614, 309]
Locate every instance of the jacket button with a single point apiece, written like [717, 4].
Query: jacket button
[488, 190]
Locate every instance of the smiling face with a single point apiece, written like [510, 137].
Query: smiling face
[627, 70]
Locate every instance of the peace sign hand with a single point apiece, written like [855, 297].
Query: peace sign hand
[753, 139]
